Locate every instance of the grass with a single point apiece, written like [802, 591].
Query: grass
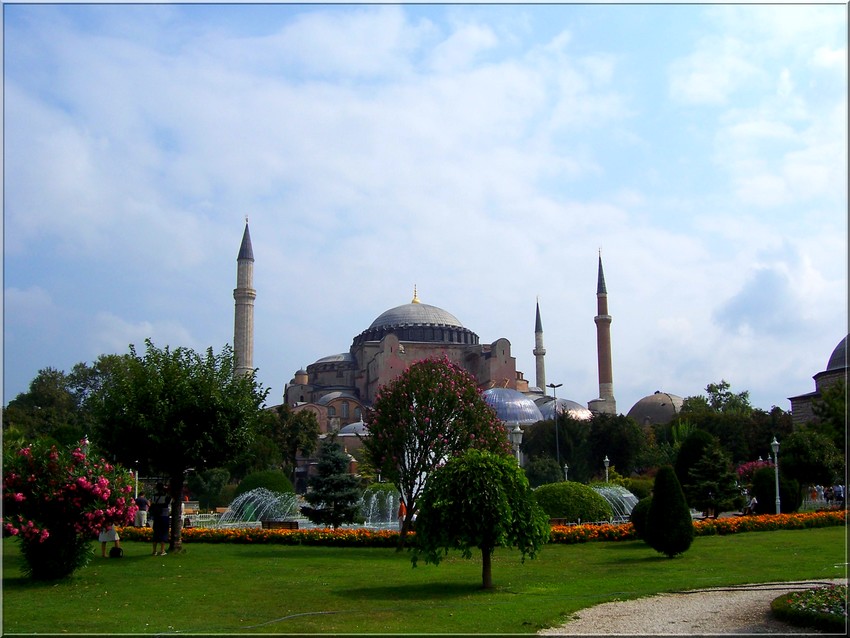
[228, 588]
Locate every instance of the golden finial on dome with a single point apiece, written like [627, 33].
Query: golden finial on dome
[415, 297]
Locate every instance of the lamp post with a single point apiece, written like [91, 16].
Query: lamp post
[85, 446]
[774, 445]
[554, 387]
[516, 440]
[137, 479]
[566, 471]
[607, 463]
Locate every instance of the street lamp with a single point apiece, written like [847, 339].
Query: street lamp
[554, 387]
[137, 479]
[85, 446]
[516, 439]
[607, 463]
[566, 470]
[774, 445]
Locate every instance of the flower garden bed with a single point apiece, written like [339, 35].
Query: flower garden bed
[822, 608]
[361, 537]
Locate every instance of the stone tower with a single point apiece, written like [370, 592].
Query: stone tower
[605, 404]
[244, 294]
[539, 352]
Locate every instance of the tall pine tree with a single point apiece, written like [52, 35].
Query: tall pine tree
[334, 494]
[712, 484]
[669, 527]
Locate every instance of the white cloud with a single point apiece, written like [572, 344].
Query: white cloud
[713, 73]
[113, 334]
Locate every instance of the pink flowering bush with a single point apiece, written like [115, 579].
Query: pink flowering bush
[55, 501]
[746, 470]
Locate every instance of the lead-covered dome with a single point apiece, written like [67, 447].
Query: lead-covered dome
[838, 358]
[565, 406]
[512, 406]
[417, 321]
[657, 408]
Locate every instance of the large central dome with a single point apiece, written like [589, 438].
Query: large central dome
[417, 321]
[415, 314]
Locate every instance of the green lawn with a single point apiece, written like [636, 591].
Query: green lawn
[225, 588]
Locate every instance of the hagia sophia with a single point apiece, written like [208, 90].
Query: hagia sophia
[338, 388]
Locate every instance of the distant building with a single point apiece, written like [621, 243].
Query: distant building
[656, 409]
[836, 370]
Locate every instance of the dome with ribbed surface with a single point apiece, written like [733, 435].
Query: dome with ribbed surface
[512, 406]
[657, 408]
[415, 314]
[417, 321]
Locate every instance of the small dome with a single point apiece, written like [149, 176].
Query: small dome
[330, 396]
[512, 406]
[565, 406]
[358, 427]
[657, 408]
[838, 359]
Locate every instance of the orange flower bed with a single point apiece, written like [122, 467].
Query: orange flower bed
[361, 537]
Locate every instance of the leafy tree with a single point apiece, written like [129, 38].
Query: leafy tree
[572, 501]
[539, 442]
[293, 433]
[258, 455]
[49, 408]
[619, 438]
[810, 458]
[639, 515]
[56, 499]
[691, 451]
[272, 480]
[764, 489]
[542, 470]
[172, 410]
[479, 500]
[334, 494]
[712, 484]
[669, 528]
[431, 412]
[831, 413]
[720, 399]
[207, 486]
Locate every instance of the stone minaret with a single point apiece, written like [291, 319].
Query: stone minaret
[605, 404]
[244, 294]
[539, 352]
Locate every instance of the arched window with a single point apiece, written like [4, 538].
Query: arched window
[345, 409]
[331, 411]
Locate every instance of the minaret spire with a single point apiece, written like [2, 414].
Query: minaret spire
[606, 403]
[244, 295]
[539, 351]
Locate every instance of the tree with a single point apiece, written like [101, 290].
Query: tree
[539, 443]
[482, 500]
[764, 489]
[55, 500]
[693, 448]
[431, 412]
[574, 502]
[542, 470]
[172, 410]
[49, 408]
[292, 432]
[334, 494]
[810, 458]
[720, 399]
[619, 438]
[830, 412]
[712, 483]
[669, 528]
[207, 486]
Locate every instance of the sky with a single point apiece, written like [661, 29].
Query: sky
[485, 154]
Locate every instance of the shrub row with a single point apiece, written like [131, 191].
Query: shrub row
[362, 537]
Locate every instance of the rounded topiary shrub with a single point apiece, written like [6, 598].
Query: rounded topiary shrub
[764, 489]
[572, 501]
[669, 526]
[272, 480]
[640, 487]
[638, 516]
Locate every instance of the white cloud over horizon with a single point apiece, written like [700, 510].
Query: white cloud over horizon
[484, 154]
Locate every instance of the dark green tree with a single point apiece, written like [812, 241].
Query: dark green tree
[539, 442]
[712, 483]
[48, 409]
[207, 485]
[764, 489]
[692, 449]
[639, 515]
[428, 414]
[293, 433]
[478, 500]
[172, 410]
[619, 438]
[669, 526]
[830, 412]
[272, 480]
[574, 502]
[542, 470]
[810, 458]
[334, 494]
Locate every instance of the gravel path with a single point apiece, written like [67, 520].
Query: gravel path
[744, 609]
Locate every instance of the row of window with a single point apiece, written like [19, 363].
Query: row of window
[344, 411]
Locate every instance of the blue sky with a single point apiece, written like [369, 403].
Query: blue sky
[484, 154]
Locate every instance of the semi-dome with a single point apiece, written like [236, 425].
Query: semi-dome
[565, 406]
[838, 358]
[657, 408]
[354, 429]
[512, 406]
[417, 321]
[330, 396]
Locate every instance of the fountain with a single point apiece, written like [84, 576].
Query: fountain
[259, 504]
[379, 509]
[621, 500]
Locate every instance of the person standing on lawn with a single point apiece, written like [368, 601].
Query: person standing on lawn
[159, 507]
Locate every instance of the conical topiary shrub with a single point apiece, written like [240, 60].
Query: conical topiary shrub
[669, 527]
